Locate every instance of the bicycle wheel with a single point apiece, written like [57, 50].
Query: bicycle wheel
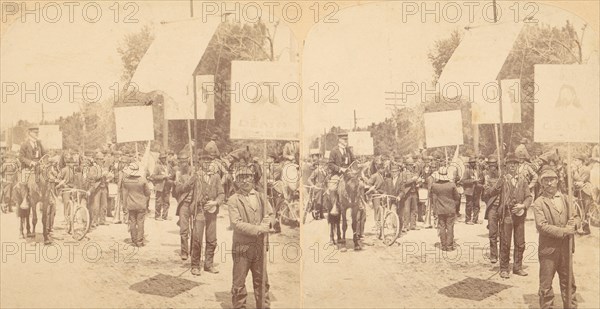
[81, 221]
[594, 214]
[391, 228]
[579, 210]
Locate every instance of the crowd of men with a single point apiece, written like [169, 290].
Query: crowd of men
[509, 189]
[119, 185]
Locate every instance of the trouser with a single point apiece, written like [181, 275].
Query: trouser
[493, 227]
[446, 230]
[377, 211]
[400, 212]
[512, 224]
[208, 226]
[161, 207]
[358, 223]
[184, 227]
[556, 262]
[250, 260]
[334, 226]
[458, 204]
[99, 201]
[410, 210]
[119, 213]
[136, 225]
[67, 207]
[472, 208]
[7, 190]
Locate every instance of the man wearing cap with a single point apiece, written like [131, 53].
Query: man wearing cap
[472, 182]
[491, 196]
[340, 157]
[250, 213]
[162, 178]
[31, 150]
[515, 199]
[444, 196]
[136, 192]
[525, 169]
[556, 221]
[208, 195]
[583, 187]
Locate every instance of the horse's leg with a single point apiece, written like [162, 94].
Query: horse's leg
[344, 224]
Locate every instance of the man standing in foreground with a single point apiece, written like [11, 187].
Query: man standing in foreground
[556, 225]
[250, 214]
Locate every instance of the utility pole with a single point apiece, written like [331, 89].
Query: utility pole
[355, 120]
[500, 125]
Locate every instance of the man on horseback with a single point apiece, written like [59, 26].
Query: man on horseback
[29, 155]
[340, 160]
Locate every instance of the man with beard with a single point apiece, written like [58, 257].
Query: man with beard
[491, 196]
[556, 221]
[515, 199]
[250, 214]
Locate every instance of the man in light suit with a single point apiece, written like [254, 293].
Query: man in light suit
[556, 221]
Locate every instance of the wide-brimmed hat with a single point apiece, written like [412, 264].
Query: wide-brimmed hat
[342, 135]
[441, 174]
[33, 128]
[162, 155]
[492, 161]
[472, 160]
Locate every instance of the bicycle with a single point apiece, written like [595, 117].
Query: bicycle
[311, 203]
[78, 216]
[388, 223]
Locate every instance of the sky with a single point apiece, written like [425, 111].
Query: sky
[372, 51]
[56, 55]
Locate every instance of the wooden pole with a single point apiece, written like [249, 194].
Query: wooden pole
[266, 236]
[189, 129]
[570, 237]
[498, 149]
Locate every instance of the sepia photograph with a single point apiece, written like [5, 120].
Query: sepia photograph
[299, 154]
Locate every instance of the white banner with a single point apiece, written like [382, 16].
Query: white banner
[567, 104]
[134, 124]
[265, 103]
[443, 129]
[50, 136]
[361, 142]
[485, 104]
[478, 58]
[180, 105]
[172, 58]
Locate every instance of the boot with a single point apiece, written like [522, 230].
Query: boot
[356, 240]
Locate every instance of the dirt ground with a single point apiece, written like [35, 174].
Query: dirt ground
[415, 273]
[103, 271]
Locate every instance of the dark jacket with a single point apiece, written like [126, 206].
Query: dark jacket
[551, 223]
[444, 197]
[519, 193]
[184, 187]
[246, 220]
[337, 160]
[136, 193]
[469, 183]
[27, 154]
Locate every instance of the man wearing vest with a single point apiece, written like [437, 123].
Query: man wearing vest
[185, 181]
[556, 221]
[250, 214]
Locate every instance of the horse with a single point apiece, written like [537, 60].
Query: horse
[34, 196]
[350, 191]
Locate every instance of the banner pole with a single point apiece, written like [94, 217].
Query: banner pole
[570, 237]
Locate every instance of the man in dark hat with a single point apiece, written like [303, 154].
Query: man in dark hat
[491, 196]
[162, 178]
[472, 182]
[10, 171]
[31, 150]
[340, 157]
[96, 179]
[515, 199]
[208, 195]
[556, 221]
[185, 182]
[251, 214]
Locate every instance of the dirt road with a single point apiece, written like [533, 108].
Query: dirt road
[104, 271]
[415, 273]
